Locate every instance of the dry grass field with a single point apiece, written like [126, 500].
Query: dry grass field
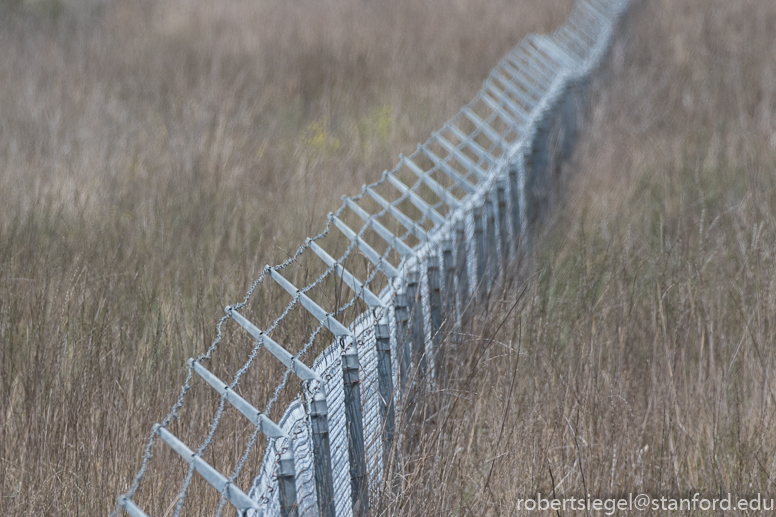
[640, 357]
[153, 157]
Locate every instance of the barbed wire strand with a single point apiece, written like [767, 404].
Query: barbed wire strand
[310, 341]
[217, 418]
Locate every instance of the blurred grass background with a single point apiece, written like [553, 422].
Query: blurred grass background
[153, 157]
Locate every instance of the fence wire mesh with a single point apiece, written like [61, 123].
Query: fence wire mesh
[476, 187]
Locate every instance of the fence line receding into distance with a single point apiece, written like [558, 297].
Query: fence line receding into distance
[445, 224]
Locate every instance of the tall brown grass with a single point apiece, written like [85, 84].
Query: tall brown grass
[639, 356]
[153, 157]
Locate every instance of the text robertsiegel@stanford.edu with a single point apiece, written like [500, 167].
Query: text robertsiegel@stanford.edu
[645, 502]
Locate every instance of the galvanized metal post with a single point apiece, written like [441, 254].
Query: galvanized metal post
[352, 393]
[435, 305]
[324, 486]
[482, 257]
[448, 264]
[402, 340]
[569, 124]
[287, 484]
[415, 308]
[490, 241]
[514, 199]
[462, 272]
[385, 385]
[359, 486]
[538, 165]
[503, 231]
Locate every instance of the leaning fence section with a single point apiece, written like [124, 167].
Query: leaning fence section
[465, 202]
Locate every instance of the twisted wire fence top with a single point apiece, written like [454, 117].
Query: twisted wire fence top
[503, 114]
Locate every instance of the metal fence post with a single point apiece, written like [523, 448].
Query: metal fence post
[538, 164]
[352, 387]
[415, 308]
[385, 381]
[287, 484]
[402, 340]
[479, 238]
[569, 124]
[462, 272]
[501, 198]
[490, 241]
[514, 199]
[324, 486]
[435, 302]
[448, 264]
